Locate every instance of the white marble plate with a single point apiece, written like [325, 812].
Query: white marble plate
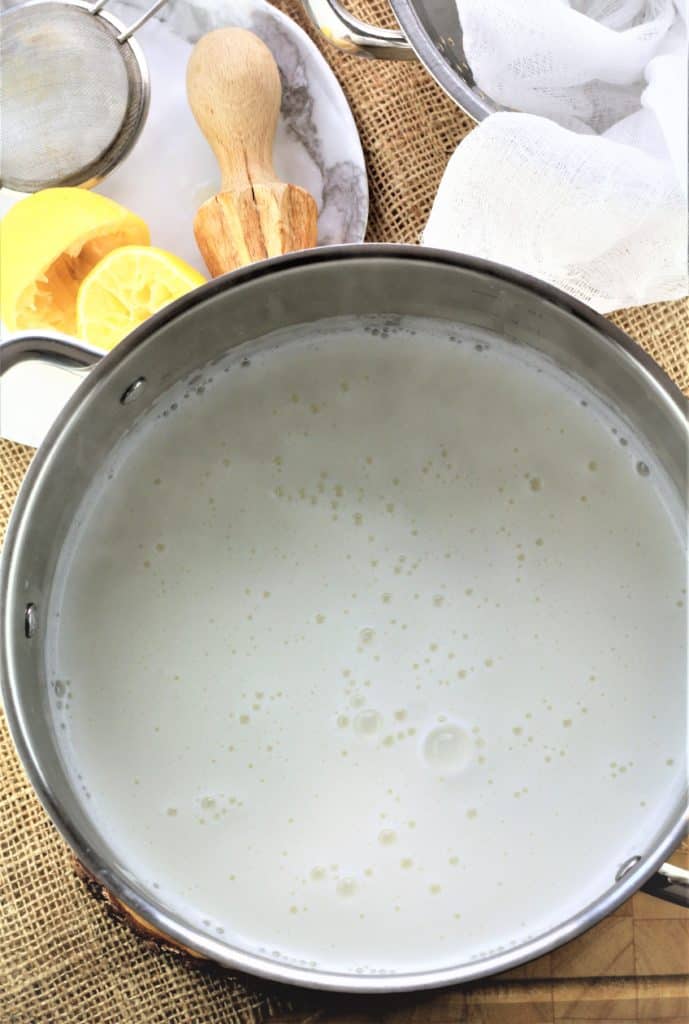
[171, 170]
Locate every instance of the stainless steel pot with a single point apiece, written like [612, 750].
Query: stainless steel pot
[226, 314]
[431, 32]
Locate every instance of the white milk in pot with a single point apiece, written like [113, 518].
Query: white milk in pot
[370, 652]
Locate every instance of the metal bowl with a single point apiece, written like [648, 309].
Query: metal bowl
[431, 32]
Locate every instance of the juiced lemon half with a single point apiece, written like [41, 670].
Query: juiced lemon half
[125, 288]
[48, 244]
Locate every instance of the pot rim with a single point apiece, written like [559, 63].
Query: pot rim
[112, 879]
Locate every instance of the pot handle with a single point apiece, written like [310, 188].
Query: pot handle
[669, 883]
[354, 36]
[62, 351]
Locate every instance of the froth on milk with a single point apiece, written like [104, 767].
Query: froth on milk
[371, 649]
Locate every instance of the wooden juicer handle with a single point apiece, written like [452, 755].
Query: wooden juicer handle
[233, 86]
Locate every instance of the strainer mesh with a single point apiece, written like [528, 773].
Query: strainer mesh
[66, 90]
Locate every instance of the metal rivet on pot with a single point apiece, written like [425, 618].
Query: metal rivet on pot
[626, 867]
[133, 391]
[30, 620]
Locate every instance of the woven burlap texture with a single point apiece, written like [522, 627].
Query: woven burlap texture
[63, 959]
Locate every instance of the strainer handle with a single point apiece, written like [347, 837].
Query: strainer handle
[354, 36]
[136, 25]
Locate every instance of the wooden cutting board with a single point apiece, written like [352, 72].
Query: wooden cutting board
[632, 968]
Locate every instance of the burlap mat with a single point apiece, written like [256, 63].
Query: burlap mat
[62, 957]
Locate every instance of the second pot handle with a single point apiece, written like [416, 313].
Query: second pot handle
[670, 883]
[354, 36]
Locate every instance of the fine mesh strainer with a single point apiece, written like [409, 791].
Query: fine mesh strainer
[75, 92]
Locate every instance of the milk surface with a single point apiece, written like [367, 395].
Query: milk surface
[373, 656]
